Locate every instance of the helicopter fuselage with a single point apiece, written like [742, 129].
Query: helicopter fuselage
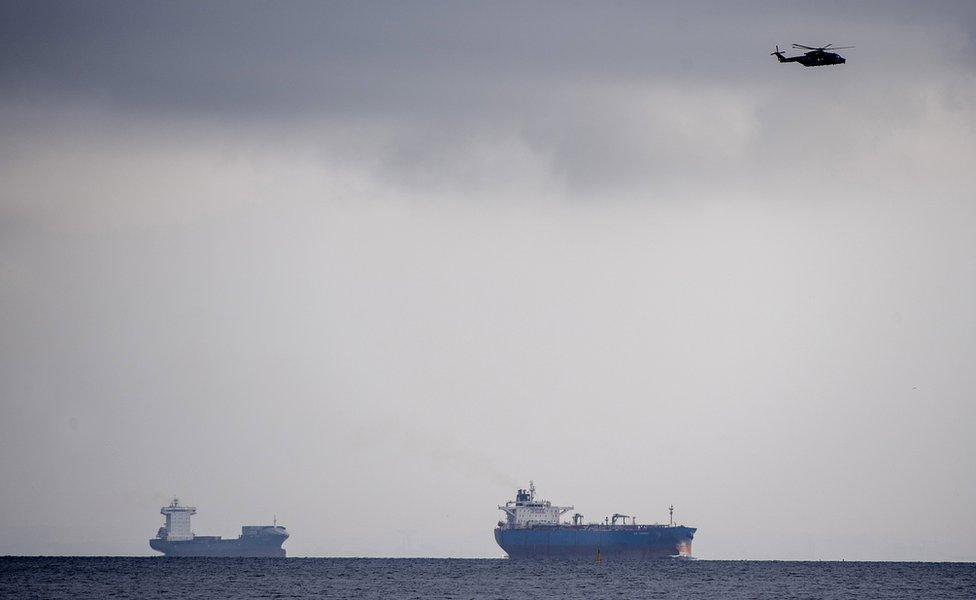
[813, 59]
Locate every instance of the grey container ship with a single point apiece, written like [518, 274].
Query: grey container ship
[532, 529]
[176, 538]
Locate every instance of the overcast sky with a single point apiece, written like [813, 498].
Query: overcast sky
[370, 267]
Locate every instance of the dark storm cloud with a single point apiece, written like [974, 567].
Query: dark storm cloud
[275, 59]
[617, 95]
[614, 97]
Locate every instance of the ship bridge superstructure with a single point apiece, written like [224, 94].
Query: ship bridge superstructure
[526, 511]
[177, 527]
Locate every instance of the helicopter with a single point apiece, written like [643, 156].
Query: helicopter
[815, 57]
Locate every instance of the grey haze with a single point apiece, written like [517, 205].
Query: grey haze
[371, 266]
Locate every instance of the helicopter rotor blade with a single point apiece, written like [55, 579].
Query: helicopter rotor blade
[842, 47]
[805, 47]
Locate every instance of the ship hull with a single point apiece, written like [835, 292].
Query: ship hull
[586, 541]
[218, 547]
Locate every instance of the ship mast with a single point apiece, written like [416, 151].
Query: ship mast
[671, 513]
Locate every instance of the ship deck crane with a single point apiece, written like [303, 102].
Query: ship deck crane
[622, 518]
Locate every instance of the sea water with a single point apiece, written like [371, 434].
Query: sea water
[206, 578]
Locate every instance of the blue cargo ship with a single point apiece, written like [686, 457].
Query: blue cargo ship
[532, 529]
